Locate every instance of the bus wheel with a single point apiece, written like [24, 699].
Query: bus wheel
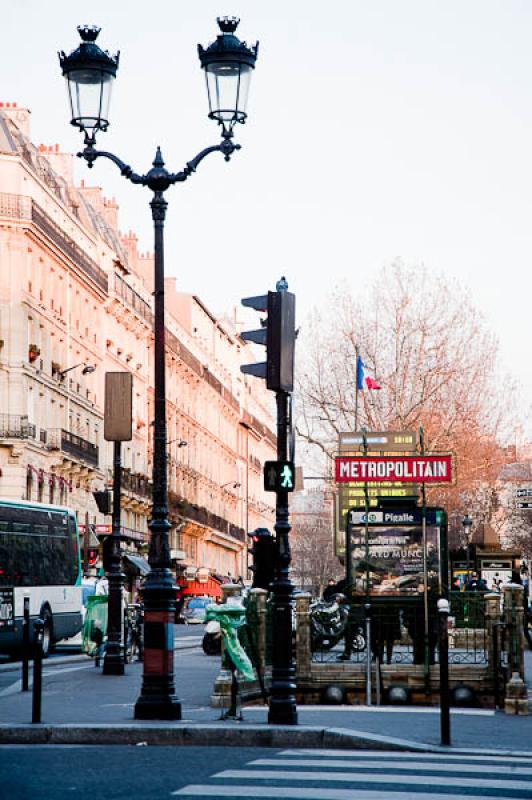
[46, 617]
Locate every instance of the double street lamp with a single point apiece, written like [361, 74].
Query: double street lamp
[90, 72]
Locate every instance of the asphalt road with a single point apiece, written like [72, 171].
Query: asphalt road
[155, 773]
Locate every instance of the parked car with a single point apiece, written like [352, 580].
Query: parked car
[194, 610]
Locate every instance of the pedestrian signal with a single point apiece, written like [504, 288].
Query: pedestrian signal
[279, 476]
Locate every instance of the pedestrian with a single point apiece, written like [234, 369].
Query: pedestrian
[102, 584]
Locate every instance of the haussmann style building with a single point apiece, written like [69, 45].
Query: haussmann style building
[75, 303]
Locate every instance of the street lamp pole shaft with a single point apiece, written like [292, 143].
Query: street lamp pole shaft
[158, 699]
[113, 662]
[283, 710]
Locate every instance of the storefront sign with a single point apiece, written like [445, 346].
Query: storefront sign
[405, 469]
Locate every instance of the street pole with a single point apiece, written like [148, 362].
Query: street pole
[283, 710]
[158, 698]
[445, 716]
[113, 662]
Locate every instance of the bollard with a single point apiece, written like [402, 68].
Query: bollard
[445, 716]
[367, 611]
[38, 627]
[26, 645]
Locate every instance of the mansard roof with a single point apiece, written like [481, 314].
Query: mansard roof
[13, 141]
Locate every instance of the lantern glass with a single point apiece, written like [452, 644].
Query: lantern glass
[89, 93]
[228, 88]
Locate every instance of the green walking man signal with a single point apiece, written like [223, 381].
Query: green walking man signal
[279, 476]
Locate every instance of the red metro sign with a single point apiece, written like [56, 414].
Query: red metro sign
[401, 469]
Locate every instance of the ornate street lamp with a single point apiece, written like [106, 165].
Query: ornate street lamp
[89, 72]
[228, 63]
[467, 524]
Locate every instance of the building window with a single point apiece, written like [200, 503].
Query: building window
[29, 484]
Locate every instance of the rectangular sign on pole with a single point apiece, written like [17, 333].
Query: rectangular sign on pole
[379, 441]
[118, 413]
[405, 469]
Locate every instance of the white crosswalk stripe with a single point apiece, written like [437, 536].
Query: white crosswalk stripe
[367, 775]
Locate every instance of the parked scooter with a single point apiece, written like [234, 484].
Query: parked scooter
[328, 624]
[212, 639]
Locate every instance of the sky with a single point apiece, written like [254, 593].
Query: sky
[377, 130]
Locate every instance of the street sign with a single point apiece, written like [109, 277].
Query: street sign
[524, 505]
[118, 407]
[379, 441]
[279, 476]
[523, 492]
[405, 469]
[395, 517]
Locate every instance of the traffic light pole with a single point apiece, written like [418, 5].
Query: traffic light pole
[283, 710]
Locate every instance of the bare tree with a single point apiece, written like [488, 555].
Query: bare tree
[424, 342]
[313, 558]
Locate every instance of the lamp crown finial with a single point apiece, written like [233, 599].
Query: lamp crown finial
[228, 24]
[88, 33]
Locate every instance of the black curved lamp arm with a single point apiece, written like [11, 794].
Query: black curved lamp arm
[226, 147]
[90, 154]
[158, 178]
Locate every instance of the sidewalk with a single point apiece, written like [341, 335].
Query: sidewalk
[80, 705]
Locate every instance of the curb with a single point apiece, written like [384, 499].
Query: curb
[218, 734]
[224, 735]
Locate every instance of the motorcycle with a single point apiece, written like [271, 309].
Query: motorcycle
[212, 639]
[329, 624]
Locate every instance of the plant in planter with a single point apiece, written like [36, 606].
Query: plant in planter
[33, 352]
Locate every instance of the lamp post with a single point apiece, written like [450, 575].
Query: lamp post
[90, 72]
[467, 524]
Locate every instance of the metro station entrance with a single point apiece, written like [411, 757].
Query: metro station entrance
[396, 570]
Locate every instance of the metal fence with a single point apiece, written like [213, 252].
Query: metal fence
[401, 633]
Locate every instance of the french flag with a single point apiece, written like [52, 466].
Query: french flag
[371, 384]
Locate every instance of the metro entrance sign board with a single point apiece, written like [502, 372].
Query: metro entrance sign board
[406, 469]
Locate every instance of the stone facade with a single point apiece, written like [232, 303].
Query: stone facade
[76, 294]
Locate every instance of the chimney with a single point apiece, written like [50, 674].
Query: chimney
[61, 163]
[19, 116]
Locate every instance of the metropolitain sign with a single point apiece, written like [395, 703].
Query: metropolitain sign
[404, 469]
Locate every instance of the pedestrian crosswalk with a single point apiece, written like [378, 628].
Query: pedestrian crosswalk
[298, 774]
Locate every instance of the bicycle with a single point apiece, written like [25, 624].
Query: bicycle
[133, 632]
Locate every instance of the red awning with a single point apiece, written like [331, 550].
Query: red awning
[210, 587]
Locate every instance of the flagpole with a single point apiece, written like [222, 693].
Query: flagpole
[357, 356]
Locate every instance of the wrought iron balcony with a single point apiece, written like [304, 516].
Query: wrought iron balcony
[15, 426]
[73, 445]
[136, 482]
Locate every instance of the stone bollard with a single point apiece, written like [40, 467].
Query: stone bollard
[492, 615]
[516, 696]
[303, 649]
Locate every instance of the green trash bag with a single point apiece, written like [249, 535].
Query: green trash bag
[94, 628]
[232, 615]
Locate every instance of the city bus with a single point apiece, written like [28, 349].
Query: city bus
[40, 559]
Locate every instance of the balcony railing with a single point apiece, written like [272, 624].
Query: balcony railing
[73, 445]
[136, 482]
[205, 517]
[15, 426]
[41, 219]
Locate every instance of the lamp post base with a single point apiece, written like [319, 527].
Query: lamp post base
[282, 712]
[113, 665]
[158, 707]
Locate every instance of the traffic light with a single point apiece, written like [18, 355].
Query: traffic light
[279, 476]
[264, 555]
[103, 501]
[278, 334]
